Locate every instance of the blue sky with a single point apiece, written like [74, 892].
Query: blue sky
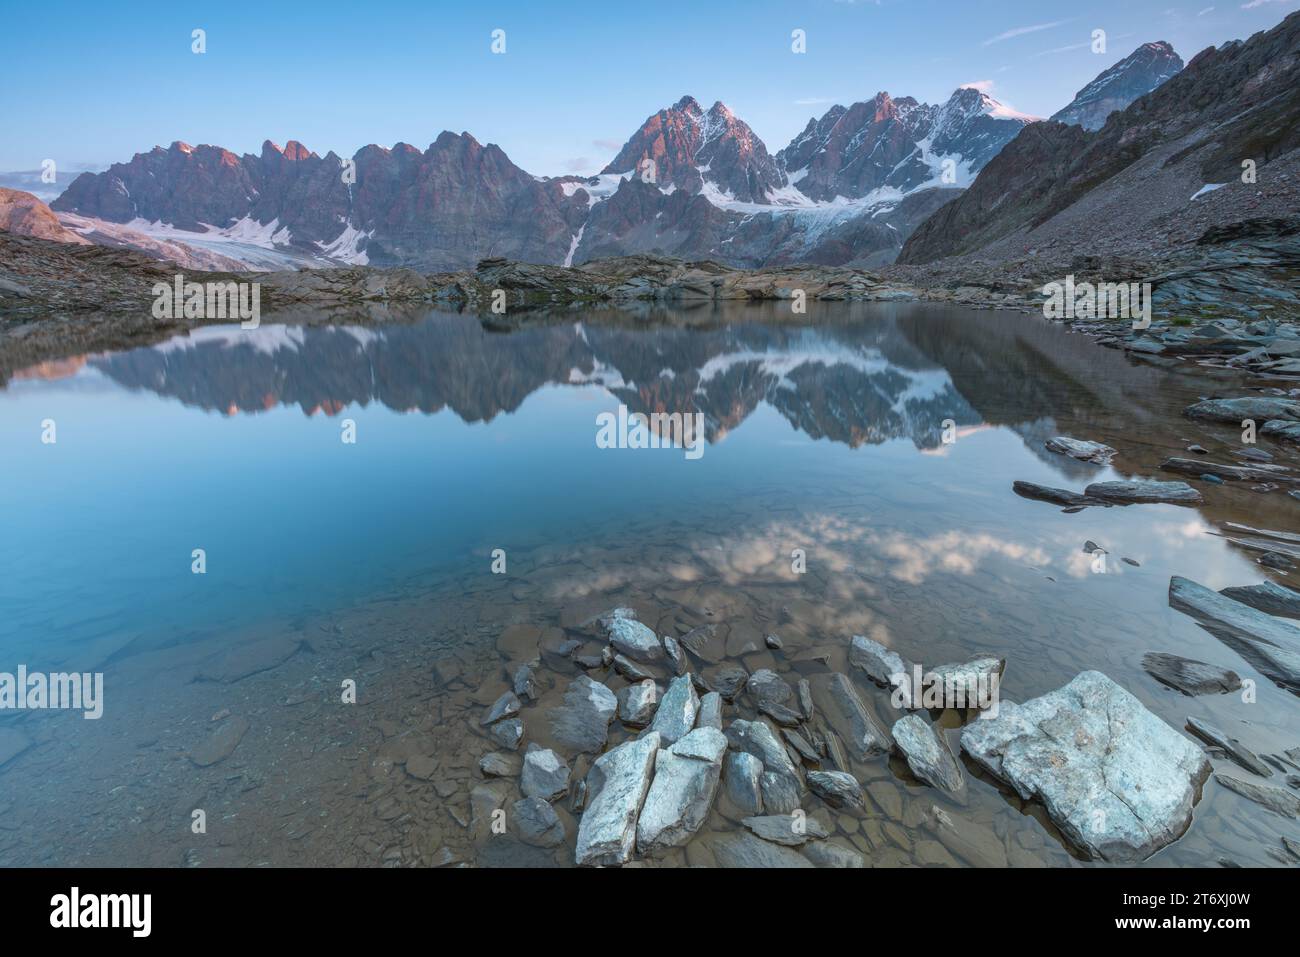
[86, 83]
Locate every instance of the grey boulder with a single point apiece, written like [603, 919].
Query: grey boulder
[616, 788]
[536, 822]
[929, 758]
[677, 711]
[544, 775]
[1117, 781]
[635, 640]
[685, 783]
[582, 722]
[741, 776]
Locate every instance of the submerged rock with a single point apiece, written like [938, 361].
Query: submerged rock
[1267, 596]
[635, 640]
[1234, 411]
[524, 683]
[1143, 491]
[788, 829]
[616, 788]
[498, 764]
[536, 823]
[843, 710]
[743, 849]
[773, 697]
[929, 758]
[1270, 645]
[221, 743]
[504, 707]
[704, 643]
[833, 854]
[676, 658]
[1188, 675]
[12, 744]
[544, 774]
[250, 658]
[1233, 748]
[677, 710]
[685, 782]
[741, 776]
[837, 788]
[1117, 781]
[507, 733]
[582, 722]
[782, 794]
[728, 682]
[1081, 449]
[779, 782]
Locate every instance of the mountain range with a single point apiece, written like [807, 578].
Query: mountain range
[690, 182]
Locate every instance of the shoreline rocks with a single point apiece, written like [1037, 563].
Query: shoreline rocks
[1118, 781]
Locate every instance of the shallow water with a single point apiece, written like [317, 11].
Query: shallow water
[377, 557]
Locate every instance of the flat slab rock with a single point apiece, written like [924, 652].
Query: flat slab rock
[1188, 675]
[1258, 408]
[681, 795]
[1143, 492]
[1271, 645]
[12, 744]
[582, 722]
[743, 849]
[929, 758]
[1267, 596]
[221, 743]
[616, 788]
[1081, 449]
[840, 706]
[249, 659]
[1119, 782]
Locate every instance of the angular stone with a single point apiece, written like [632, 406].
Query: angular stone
[1270, 645]
[504, 707]
[1117, 781]
[1275, 799]
[1233, 748]
[1189, 676]
[741, 777]
[773, 697]
[637, 703]
[536, 823]
[507, 733]
[635, 640]
[675, 656]
[1143, 491]
[710, 715]
[497, 764]
[705, 643]
[1057, 496]
[544, 775]
[742, 849]
[629, 669]
[582, 722]
[843, 710]
[1268, 597]
[756, 738]
[685, 782]
[728, 682]
[929, 758]
[1081, 449]
[788, 829]
[886, 668]
[525, 682]
[422, 767]
[677, 710]
[1258, 408]
[837, 788]
[970, 684]
[832, 854]
[802, 748]
[616, 788]
[782, 794]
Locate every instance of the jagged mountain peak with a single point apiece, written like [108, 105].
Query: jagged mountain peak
[1115, 88]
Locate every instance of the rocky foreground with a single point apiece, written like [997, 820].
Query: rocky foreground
[785, 760]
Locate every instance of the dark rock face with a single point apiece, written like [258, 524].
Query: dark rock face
[447, 207]
[1237, 101]
[1135, 76]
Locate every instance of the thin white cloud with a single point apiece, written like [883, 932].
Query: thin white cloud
[1034, 28]
[1201, 13]
[984, 86]
[1259, 3]
[1065, 49]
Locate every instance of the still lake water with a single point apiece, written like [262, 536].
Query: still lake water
[374, 561]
